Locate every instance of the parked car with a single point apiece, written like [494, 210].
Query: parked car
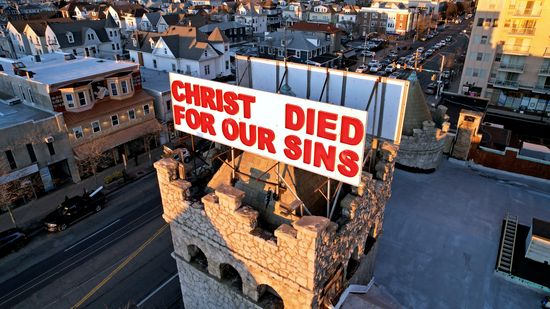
[430, 88]
[373, 62]
[381, 73]
[449, 38]
[446, 74]
[362, 68]
[376, 68]
[367, 53]
[389, 69]
[74, 209]
[11, 240]
[437, 46]
[429, 52]
[420, 49]
[442, 43]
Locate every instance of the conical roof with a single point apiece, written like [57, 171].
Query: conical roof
[417, 110]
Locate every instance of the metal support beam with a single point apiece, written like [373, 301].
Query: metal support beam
[293, 193]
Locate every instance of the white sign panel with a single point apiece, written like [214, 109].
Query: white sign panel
[325, 139]
[383, 98]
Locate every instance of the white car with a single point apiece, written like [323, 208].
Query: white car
[389, 69]
[376, 68]
[420, 49]
[373, 63]
[395, 75]
[442, 42]
[362, 68]
[429, 52]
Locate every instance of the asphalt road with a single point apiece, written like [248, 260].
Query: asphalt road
[101, 261]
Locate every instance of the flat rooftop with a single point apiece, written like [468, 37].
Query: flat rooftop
[11, 115]
[54, 69]
[155, 80]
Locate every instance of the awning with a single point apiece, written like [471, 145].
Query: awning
[114, 139]
[26, 171]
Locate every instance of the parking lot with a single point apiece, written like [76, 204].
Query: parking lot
[441, 235]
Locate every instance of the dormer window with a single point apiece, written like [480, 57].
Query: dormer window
[120, 87]
[70, 37]
[77, 96]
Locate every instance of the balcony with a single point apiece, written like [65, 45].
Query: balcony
[525, 13]
[521, 31]
[521, 50]
[542, 89]
[545, 71]
[507, 84]
[511, 67]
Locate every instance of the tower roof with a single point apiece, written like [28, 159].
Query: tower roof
[417, 110]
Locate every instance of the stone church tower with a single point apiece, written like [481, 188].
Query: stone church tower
[260, 235]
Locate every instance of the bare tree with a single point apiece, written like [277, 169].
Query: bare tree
[96, 158]
[16, 190]
[147, 139]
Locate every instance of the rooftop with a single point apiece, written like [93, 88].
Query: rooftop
[54, 69]
[155, 80]
[19, 113]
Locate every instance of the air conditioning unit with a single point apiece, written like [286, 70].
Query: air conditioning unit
[48, 139]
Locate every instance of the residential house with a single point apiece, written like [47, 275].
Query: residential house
[183, 49]
[329, 32]
[294, 12]
[91, 38]
[322, 13]
[19, 36]
[350, 20]
[157, 84]
[132, 19]
[251, 14]
[120, 11]
[105, 111]
[157, 22]
[399, 19]
[234, 31]
[296, 46]
[273, 13]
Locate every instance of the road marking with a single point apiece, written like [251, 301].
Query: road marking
[156, 290]
[75, 260]
[120, 267]
[92, 235]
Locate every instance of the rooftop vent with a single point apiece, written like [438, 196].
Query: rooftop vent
[68, 57]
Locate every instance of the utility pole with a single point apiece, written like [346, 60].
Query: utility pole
[439, 81]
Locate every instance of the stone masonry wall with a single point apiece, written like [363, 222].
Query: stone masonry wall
[424, 149]
[297, 262]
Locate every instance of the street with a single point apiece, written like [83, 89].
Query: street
[116, 257]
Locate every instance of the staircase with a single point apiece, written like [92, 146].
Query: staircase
[506, 254]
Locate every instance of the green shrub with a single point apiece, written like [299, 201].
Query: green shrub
[113, 177]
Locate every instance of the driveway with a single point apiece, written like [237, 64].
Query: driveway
[441, 234]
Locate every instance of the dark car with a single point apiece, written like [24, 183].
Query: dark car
[11, 240]
[431, 88]
[73, 210]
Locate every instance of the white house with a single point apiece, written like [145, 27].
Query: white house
[156, 22]
[252, 16]
[182, 49]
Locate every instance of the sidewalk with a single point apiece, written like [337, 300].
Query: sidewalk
[28, 216]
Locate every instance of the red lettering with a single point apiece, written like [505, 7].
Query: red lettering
[348, 163]
[192, 118]
[176, 86]
[265, 139]
[327, 157]
[293, 151]
[192, 94]
[358, 130]
[247, 101]
[207, 123]
[294, 117]
[231, 107]
[207, 97]
[230, 129]
[307, 151]
[250, 140]
[310, 126]
[326, 121]
[219, 100]
[178, 113]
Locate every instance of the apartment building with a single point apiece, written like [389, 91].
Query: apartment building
[104, 109]
[508, 59]
[389, 18]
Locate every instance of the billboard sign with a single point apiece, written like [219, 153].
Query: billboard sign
[322, 138]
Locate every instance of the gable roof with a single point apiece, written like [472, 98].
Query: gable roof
[110, 22]
[20, 25]
[172, 19]
[217, 36]
[153, 17]
[78, 28]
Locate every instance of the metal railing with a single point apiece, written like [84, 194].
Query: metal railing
[506, 83]
[516, 49]
[521, 31]
[525, 12]
[512, 66]
[542, 88]
[545, 70]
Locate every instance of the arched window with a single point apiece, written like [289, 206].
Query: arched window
[231, 277]
[198, 258]
[268, 298]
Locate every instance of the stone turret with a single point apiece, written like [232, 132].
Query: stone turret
[228, 257]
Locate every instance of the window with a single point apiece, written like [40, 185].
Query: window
[116, 33]
[11, 159]
[96, 127]
[206, 70]
[298, 53]
[78, 132]
[479, 57]
[173, 67]
[495, 22]
[498, 56]
[110, 33]
[132, 114]
[226, 48]
[74, 52]
[146, 109]
[70, 37]
[227, 65]
[113, 89]
[113, 46]
[124, 86]
[483, 39]
[480, 22]
[51, 150]
[69, 99]
[81, 98]
[32, 155]
[154, 63]
[168, 105]
[114, 120]
[206, 53]
[165, 51]
[117, 46]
